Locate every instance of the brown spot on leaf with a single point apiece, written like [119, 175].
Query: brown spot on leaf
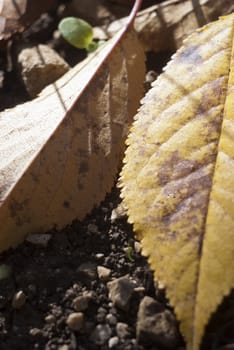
[84, 167]
[17, 211]
[175, 168]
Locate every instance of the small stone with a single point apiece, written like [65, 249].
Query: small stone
[64, 347]
[118, 213]
[1, 79]
[113, 310]
[101, 334]
[75, 321]
[101, 315]
[113, 342]
[102, 310]
[18, 300]
[39, 239]
[137, 247]
[120, 292]
[87, 271]
[81, 303]
[50, 319]
[103, 273]
[111, 319]
[34, 332]
[99, 256]
[139, 289]
[92, 228]
[122, 330]
[156, 326]
[99, 34]
[40, 66]
[151, 76]
[134, 342]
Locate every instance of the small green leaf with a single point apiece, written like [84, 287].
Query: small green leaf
[92, 46]
[129, 253]
[76, 31]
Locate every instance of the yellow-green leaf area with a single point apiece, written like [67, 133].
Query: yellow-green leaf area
[177, 180]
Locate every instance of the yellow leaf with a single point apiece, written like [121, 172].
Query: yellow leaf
[177, 181]
[60, 153]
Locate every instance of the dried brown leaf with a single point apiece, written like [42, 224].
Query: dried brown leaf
[15, 15]
[164, 26]
[59, 154]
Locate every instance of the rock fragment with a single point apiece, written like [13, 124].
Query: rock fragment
[64, 347]
[118, 213]
[113, 342]
[18, 300]
[122, 330]
[111, 319]
[156, 326]
[120, 292]
[75, 321]
[40, 66]
[39, 239]
[50, 319]
[35, 332]
[81, 303]
[101, 334]
[137, 247]
[103, 273]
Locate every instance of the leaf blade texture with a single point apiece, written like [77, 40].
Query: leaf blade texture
[177, 177]
[60, 153]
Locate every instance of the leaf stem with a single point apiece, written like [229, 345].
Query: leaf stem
[198, 12]
[135, 9]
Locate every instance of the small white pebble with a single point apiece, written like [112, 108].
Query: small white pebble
[114, 341]
[118, 213]
[99, 256]
[139, 289]
[99, 34]
[103, 273]
[137, 247]
[64, 347]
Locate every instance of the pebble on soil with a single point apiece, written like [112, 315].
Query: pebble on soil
[80, 290]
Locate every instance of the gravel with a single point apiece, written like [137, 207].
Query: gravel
[52, 296]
